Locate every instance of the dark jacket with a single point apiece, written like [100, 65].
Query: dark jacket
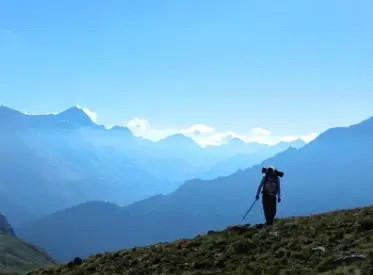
[261, 185]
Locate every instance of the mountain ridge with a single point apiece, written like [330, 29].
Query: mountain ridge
[79, 117]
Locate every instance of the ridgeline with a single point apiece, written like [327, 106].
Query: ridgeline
[339, 242]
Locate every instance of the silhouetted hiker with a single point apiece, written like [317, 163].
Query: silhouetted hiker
[270, 186]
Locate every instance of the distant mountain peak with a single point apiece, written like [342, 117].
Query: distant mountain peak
[120, 129]
[10, 118]
[76, 115]
[298, 143]
[177, 137]
[236, 140]
[9, 111]
[178, 140]
[181, 136]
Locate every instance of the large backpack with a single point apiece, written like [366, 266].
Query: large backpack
[270, 185]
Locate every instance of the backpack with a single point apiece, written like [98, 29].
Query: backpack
[270, 185]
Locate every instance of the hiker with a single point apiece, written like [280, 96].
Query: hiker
[270, 186]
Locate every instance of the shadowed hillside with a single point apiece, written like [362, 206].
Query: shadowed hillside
[338, 242]
[5, 227]
[16, 256]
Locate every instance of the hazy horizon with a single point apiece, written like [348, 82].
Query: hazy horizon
[203, 135]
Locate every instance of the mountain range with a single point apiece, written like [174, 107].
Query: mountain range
[333, 171]
[52, 162]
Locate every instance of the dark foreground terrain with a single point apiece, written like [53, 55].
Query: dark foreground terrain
[339, 242]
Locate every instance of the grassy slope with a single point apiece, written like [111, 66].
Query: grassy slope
[297, 249]
[17, 256]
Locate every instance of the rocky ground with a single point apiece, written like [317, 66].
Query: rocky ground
[338, 242]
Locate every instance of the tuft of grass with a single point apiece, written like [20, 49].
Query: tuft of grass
[319, 244]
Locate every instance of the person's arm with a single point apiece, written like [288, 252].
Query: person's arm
[260, 187]
[279, 188]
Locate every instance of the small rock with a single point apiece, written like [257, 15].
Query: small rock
[238, 229]
[274, 233]
[198, 265]
[259, 226]
[269, 227]
[366, 224]
[290, 225]
[156, 260]
[77, 261]
[211, 232]
[243, 247]
[220, 263]
[319, 248]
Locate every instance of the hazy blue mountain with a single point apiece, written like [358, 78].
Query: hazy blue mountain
[244, 160]
[237, 146]
[91, 222]
[50, 162]
[179, 158]
[331, 172]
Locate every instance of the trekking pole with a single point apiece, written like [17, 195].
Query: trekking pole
[247, 212]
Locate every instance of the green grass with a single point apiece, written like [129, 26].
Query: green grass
[18, 257]
[302, 245]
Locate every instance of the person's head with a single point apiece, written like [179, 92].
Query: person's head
[271, 170]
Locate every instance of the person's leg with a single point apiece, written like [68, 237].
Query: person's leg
[266, 208]
[272, 209]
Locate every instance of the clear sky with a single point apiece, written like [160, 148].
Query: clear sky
[291, 67]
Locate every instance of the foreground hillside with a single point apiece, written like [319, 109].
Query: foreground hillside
[339, 242]
[18, 257]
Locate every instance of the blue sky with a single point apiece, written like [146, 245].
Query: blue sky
[291, 67]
